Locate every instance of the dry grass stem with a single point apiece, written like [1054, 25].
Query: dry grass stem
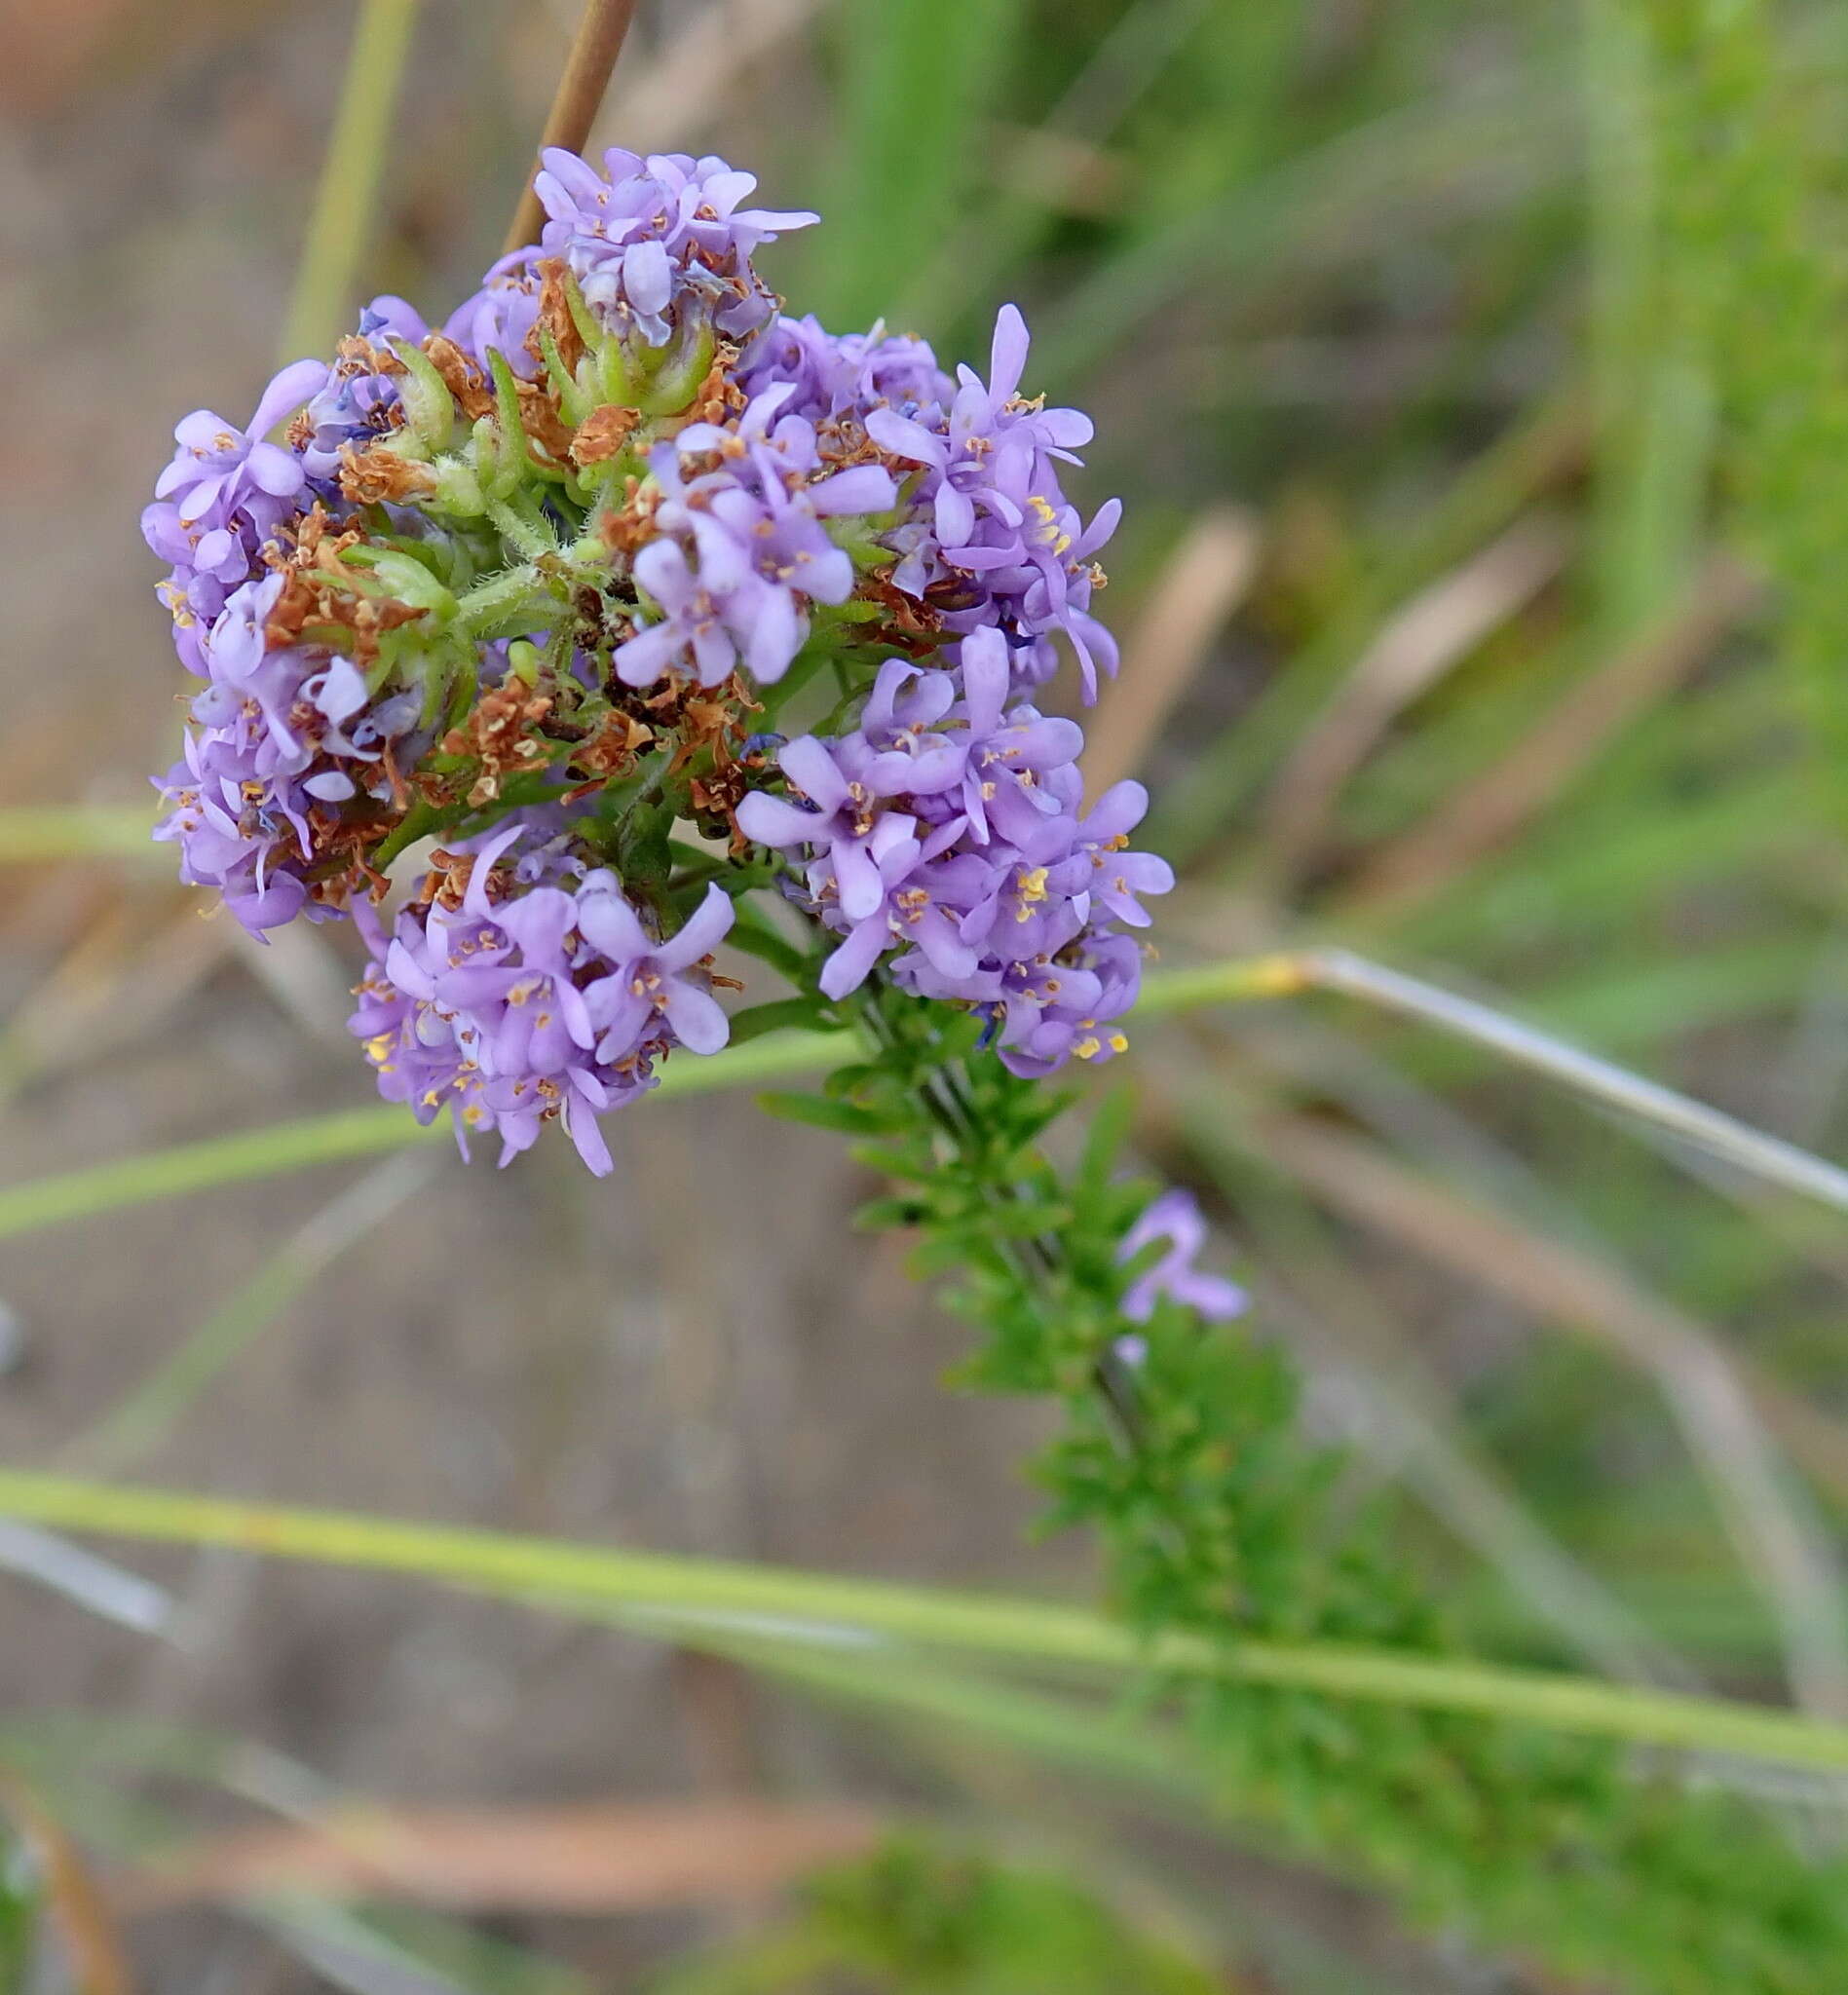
[575, 106]
[600, 1858]
[1492, 809]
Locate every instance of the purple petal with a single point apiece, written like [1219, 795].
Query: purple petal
[648, 277]
[905, 439]
[772, 821]
[704, 930]
[811, 769]
[848, 969]
[297, 383]
[699, 1022]
[1008, 354]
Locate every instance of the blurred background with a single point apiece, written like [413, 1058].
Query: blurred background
[1481, 460]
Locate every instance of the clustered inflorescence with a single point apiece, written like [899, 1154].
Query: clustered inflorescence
[522, 600]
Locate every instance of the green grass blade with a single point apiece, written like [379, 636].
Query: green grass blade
[32, 834]
[832, 1609]
[340, 227]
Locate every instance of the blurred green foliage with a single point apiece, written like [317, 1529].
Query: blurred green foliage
[923, 1919]
[19, 1916]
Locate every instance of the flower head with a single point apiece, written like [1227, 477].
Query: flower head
[527, 586]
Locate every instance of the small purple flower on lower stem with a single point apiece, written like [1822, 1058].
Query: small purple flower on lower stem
[1177, 1218]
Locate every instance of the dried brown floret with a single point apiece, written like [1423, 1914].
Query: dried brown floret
[497, 736]
[555, 315]
[461, 376]
[603, 433]
[378, 477]
[628, 528]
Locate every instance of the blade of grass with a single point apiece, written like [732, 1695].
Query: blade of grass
[340, 227]
[282, 1147]
[1782, 1546]
[359, 1132]
[91, 1583]
[1720, 1136]
[831, 1608]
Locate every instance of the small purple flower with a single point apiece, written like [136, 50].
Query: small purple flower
[998, 529]
[226, 492]
[653, 985]
[743, 550]
[944, 829]
[839, 379]
[499, 316]
[1072, 1000]
[1176, 1217]
[358, 402]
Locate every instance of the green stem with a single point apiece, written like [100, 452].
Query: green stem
[831, 1609]
[341, 224]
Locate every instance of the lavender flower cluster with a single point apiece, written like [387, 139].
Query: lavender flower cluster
[534, 993]
[525, 593]
[947, 832]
